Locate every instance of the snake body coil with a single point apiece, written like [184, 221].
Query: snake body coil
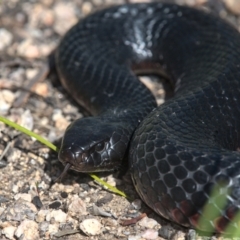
[179, 150]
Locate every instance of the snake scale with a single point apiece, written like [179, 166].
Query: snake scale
[180, 150]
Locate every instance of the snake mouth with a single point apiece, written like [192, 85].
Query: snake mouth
[64, 172]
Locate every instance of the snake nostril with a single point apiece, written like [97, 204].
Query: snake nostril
[66, 156]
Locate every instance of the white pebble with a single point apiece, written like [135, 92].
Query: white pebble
[4, 107]
[27, 120]
[77, 206]
[65, 17]
[15, 188]
[53, 228]
[91, 227]
[28, 49]
[148, 222]
[57, 113]
[136, 237]
[9, 231]
[25, 196]
[8, 96]
[233, 6]
[27, 230]
[58, 215]
[150, 234]
[6, 38]
[41, 215]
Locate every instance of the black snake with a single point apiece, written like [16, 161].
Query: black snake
[180, 150]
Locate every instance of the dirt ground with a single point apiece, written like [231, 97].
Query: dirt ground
[32, 206]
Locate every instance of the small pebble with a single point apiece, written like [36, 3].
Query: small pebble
[64, 195]
[179, 235]
[109, 222]
[2, 209]
[91, 227]
[57, 113]
[24, 196]
[15, 188]
[65, 17]
[87, 7]
[8, 96]
[44, 226]
[27, 230]
[31, 72]
[41, 215]
[37, 202]
[191, 235]
[113, 181]
[9, 231]
[6, 38]
[107, 198]
[53, 228]
[55, 205]
[148, 223]
[190, 2]
[166, 231]
[95, 210]
[48, 17]
[27, 120]
[85, 186]
[60, 121]
[137, 1]
[150, 234]
[233, 6]
[137, 204]
[28, 49]
[4, 106]
[136, 237]
[42, 89]
[57, 215]
[77, 206]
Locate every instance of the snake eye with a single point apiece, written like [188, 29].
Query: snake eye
[99, 147]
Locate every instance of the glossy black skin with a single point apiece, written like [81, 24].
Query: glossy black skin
[185, 146]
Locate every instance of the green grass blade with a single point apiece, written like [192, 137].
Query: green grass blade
[110, 187]
[29, 133]
[231, 230]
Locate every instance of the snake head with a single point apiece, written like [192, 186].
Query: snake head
[93, 144]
